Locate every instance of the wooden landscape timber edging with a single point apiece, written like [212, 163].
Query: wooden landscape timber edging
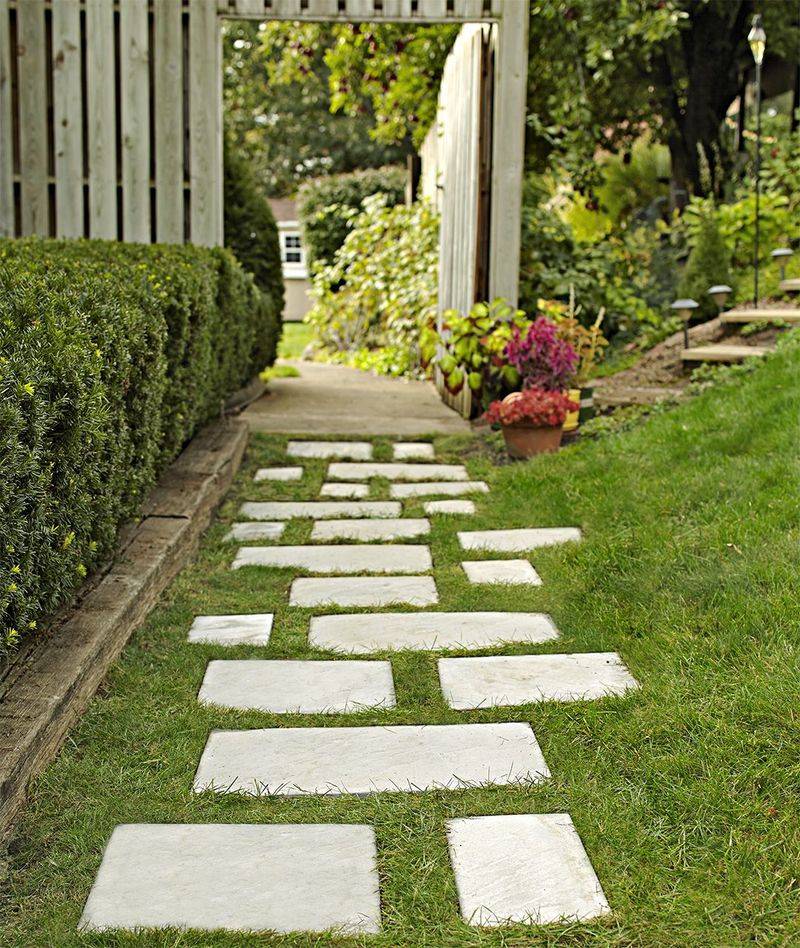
[46, 694]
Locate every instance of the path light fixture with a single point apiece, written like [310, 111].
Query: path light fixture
[781, 256]
[757, 39]
[720, 293]
[684, 309]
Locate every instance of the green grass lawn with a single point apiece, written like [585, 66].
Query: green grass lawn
[684, 793]
[294, 338]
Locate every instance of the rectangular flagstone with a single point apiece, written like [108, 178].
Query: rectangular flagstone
[364, 591]
[424, 631]
[338, 760]
[354, 450]
[237, 877]
[517, 541]
[251, 629]
[494, 572]
[339, 558]
[278, 474]
[298, 687]
[398, 472]
[529, 867]
[351, 491]
[412, 451]
[319, 509]
[501, 680]
[259, 530]
[446, 488]
[367, 530]
[449, 507]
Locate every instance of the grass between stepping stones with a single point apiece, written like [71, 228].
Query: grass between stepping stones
[685, 793]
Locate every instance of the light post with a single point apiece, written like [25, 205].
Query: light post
[719, 293]
[684, 309]
[757, 39]
[781, 256]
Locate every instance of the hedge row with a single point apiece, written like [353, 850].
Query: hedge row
[111, 358]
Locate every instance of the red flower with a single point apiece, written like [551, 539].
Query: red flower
[535, 406]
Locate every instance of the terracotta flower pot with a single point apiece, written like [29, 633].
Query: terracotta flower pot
[524, 441]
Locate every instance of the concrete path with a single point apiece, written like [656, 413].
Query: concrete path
[333, 399]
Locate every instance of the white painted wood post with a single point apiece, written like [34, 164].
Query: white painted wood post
[169, 123]
[68, 118]
[134, 68]
[32, 91]
[6, 145]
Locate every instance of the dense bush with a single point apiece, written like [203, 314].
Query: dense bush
[708, 265]
[111, 357]
[327, 207]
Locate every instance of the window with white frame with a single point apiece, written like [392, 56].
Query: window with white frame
[292, 249]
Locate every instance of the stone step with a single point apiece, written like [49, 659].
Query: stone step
[319, 509]
[339, 760]
[530, 868]
[251, 629]
[721, 353]
[350, 491]
[398, 472]
[352, 450]
[517, 541]
[259, 530]
[790, 286]
[456, 507]
[424, 631]
[364, 591]
[412, 451]
[443, 488]
[298, 687]
[339, 558]
[785, 314]
[504, 680]
[237, 877]
[278, 474]
[367, 530]
[497, 572]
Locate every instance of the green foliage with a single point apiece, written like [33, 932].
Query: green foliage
[111, 358]
[328, 207]
[708, 264]
[250, 228]
[381, 288]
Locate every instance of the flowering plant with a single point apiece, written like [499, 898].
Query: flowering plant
[542, 359]
[536, 407]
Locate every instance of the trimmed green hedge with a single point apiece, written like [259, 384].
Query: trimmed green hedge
[111, 357]
[326, 207]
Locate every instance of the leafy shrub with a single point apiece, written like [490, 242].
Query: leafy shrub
[541, 358]
[708, 265]
[111, 358]
[539, 407]
[328, 207]
[381, 288]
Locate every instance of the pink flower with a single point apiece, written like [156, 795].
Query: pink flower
[541, 358]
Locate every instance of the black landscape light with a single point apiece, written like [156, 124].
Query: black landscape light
[684, 309]
[757, 39]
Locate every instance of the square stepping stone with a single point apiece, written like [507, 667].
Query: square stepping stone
[264, 530]
[278, 474]
[237, 877]
[351, 491]
[339, 558]
[449, 507]
[529, 868]
[496, 572]
[352, 450]
[319, 509]
[446, 488]
[501, 680]
[517, 541]
[251, 629]
[338, 760]
[367, 530]
[298, 687]
[364, 591]
[398, 472]
[412, 451]
[425, 631]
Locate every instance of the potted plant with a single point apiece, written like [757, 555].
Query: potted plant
[588, 343]
[532, 421]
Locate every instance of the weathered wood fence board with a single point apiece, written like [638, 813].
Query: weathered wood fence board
[6, 120]
[134, 50]
[169, 124]
[68, 118]
[32, 99]
[101, 120]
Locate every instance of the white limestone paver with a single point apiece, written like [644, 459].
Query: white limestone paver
[529, 868]
[449, 507]
[494, 572]
[445, 488]
[367, 530]
[398, 472]
[342, 490]
[263, 530]
[298, 687]
[278, 474]
[364, 591]
[352, 450]
[251, 629]
[338, 760]
[412, 451]
[319, 509]
[517, 541]
[339, 558]
[237, 877]
[425, 631]
[501, 680]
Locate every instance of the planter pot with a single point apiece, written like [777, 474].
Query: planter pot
[524, 441]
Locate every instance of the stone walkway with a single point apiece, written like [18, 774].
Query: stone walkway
[530, 868]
